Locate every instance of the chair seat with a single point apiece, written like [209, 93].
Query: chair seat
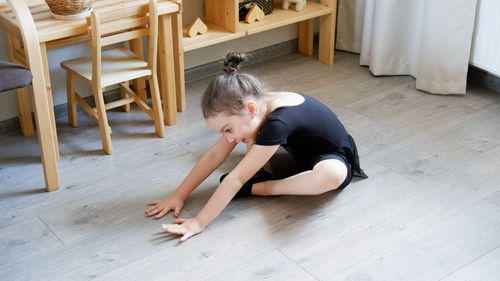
[13, 76]
[117, 65]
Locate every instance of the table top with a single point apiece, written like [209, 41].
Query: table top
[50, 28]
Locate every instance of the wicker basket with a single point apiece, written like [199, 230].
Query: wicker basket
[70, 9]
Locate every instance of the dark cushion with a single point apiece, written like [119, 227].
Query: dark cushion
[13, 76]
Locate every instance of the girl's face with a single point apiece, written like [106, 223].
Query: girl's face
[239, 128]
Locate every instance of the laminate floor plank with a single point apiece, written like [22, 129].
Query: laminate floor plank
[432, 156]
[436, 252]
[95, 254]
[494, 198]
[271, 265]
[25, 237]
[484, 268]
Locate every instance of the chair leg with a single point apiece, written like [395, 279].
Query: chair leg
[139, 84]
[104, 129]
[45, 60]
[45, 139]
[23, 107]
[70, 83]
[123, 95]
[156, 105]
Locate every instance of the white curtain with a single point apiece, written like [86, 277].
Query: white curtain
[428, 39]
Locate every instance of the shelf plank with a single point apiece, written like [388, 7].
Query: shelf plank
[214, 35]
[280, 17]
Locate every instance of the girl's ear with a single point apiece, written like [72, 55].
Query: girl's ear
[252, 107]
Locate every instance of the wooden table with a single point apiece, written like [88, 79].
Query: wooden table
[55, 32]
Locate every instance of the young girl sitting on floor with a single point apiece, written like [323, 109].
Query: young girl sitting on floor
[236, 106]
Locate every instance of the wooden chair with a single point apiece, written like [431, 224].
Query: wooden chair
[47, 137]
[117, 66]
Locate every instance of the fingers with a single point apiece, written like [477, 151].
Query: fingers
[178, 229]
[153, 211]
[157, 210]
[187, 228]
[163, 212]
[150, 210]
[175, 228]
[153, 203]
[186, 236]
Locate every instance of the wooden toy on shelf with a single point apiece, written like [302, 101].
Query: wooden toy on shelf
[197, 27]
[254, 14]
[299, 4]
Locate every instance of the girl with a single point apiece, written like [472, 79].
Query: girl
[236, 106]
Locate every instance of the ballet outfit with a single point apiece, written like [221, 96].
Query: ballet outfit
[311, 133]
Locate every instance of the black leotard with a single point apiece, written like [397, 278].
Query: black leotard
[307, 131]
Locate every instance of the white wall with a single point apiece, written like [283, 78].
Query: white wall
[192, 9]
[485, 52]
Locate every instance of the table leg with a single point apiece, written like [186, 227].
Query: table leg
[46, 73]
[179, 62]
[139, 85]
[23, 102]
[166, 69]
[327, 36]
[306, 36]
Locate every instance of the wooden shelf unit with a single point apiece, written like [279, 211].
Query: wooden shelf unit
[221, 17]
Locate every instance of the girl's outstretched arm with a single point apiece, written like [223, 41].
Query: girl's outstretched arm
[248, 166]
[210, 161]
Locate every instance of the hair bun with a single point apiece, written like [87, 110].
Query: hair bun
[233, 61]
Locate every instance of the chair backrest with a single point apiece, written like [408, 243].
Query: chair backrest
[129, 21]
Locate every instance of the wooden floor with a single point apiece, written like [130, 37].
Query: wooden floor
[429, 211]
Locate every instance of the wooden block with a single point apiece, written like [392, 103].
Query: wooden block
[197, 27]
[254, 14]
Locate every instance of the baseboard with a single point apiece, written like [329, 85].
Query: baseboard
[483, 78]
[191, 74]
[259, 55]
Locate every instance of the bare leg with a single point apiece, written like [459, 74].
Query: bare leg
[326, 175]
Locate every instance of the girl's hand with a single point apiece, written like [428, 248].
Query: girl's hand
[162, 207]
[184, 227]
